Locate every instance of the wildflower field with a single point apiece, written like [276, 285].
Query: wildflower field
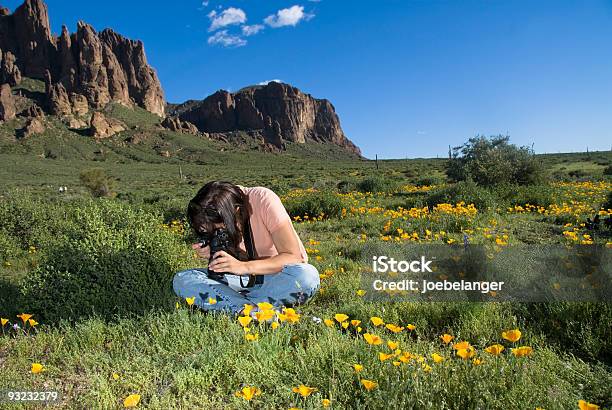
[87, 308]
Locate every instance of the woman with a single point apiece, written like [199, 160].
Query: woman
[278, 272]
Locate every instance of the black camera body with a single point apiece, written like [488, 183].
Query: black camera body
[219, 240]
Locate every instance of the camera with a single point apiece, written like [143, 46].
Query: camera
[219, 240]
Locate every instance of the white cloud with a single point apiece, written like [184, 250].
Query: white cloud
[225, 18]
[223, 38]
[270, 81]
[252, 30]
[287, 17]
[206, 3]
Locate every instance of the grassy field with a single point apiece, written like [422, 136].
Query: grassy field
[96, 274]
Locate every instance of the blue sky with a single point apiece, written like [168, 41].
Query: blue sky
[407, 78]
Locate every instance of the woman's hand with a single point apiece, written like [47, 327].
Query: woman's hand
[203, 253]
[224, 262]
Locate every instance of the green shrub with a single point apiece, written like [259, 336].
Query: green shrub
[8, 247]
[32, 221]
[169, 206]
[429, 181]
[344, 187]
[376, 184]
[608, 170]
[608, 203]
[98, 182]
[492, 161]
[114, 260]
[578, 174]
[314, 204]
[467, 192]
[511, 194]
[580, 327]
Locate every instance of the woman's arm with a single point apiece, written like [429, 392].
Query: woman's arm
[286, 243]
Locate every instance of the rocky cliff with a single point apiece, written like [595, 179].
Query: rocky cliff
[278, 111]
[86, 70]
[86, 66]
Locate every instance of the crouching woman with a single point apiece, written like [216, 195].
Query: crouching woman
[265, 262]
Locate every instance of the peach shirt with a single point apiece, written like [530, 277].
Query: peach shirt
[268, 213]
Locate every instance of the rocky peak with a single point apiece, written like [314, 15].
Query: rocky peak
[7, 103]
[142, 82]
[33, 38]
[102, 67]
[279, 111]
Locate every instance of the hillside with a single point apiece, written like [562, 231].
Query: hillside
[76, 79]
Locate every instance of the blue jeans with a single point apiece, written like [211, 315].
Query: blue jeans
[294, 285]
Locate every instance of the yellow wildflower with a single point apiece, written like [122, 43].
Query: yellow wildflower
[446, 338]
[340, 317]
[512, 335]
[369, 384]
[372, 339]
[248, 393]
[437, 358]
[24, 317]
[522, 351]
[303, 390]
[131, 401]
[495, 350]
[37, 368]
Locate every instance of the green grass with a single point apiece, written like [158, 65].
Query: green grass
[187, 359]
[183, 358]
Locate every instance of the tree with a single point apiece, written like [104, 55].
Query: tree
[97, 182]
[491, 161]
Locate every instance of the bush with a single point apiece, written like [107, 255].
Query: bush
[492, 161]
[115, 260]
[314, 204]
[344, 187]
[429, 181]
[578, 174]
[31, 221]
[8, 247]
[510, 194]
[376, 184]
[467, 192]
[582, 325]
[608, 203]
[98, 182]
[608, 170]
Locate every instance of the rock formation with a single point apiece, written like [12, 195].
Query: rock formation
[102, 127]
[281, 112]
[7, 103]
[9, 72]
[33, 111]
[86, 70]
[176, 125]
[33, 126]
[98, 68]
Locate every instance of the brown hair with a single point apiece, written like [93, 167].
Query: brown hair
[215, 203]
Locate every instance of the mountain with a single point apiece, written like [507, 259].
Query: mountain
[79, 68]
[276, 112]
[86, 72]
